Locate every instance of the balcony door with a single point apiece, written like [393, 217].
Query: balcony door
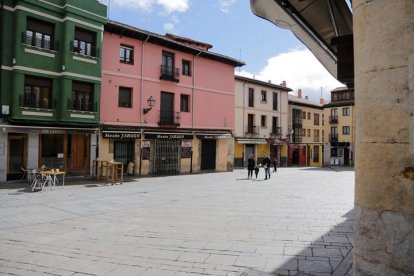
[167, 108]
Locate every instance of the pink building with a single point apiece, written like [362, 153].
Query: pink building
[167, 102]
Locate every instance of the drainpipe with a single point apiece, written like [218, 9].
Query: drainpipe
[193, 91]
[142, 79]
[192, 108]
[140, 102]
[1, 47]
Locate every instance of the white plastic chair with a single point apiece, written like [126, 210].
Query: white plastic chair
[39, 180]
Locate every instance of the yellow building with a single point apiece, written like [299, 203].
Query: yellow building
[306, 131]
[261, 121]
[340, 131]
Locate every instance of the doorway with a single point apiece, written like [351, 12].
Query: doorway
[249, 149]
[124, 151]
[17, 149]
[208, 154]
[78, 147]
[166, 157]
[167, 109]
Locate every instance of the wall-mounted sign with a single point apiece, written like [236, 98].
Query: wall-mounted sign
[160, 135]
[186, 150]
[146, 150]
[121, 135]
[213, 136]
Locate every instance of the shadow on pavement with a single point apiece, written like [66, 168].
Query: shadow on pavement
[331, 254]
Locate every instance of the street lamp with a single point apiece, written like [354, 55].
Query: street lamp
[151, 103]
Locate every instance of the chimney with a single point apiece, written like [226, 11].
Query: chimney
[269, 81]
[299, 93]
[283, 84]
[322, 101]
[306, 97]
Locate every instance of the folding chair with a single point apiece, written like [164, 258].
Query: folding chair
[39, 180]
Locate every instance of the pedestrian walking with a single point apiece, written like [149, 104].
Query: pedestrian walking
[250, 166]
[266, 165]
[256, 171]
[275, 164]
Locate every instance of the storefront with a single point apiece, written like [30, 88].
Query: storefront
[69, 149]
[246, 146]
[156, 152]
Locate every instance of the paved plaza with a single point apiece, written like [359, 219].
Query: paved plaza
[300, 222]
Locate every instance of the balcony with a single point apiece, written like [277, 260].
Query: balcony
[85, 49]
[333, 137]
[169, 118]
[252, 130]
[170, 73]
[32, 102]
[83, 105]
[333, 119]
[42, 41]
[276, 132]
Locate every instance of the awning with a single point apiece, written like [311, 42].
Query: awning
[168, 135]
[204, 135]
[47, 129]
[251, 141]
[315, 23]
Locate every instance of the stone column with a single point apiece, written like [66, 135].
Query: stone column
[384, 101]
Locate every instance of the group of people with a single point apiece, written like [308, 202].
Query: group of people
[267, 164]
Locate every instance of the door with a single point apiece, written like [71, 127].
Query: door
[167, 108]
[17, 159]
[79, 153]
[166, 157]
[249, 149]
[208, 154]
[295, 156]
[346, 156]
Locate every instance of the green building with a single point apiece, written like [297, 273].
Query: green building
[50, 84]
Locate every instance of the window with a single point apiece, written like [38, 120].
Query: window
[263, 121]
[126, 54]
[323, 135]
[37, 92]
[309, 116]
[308, 132]
[323, 119]
[39, 34]
[264, 96]
[316, 119]
[82, 96]
[184, 103]
[303, 115]
[274, 101]
[168, 70]
[186, 68]
[125, 97]
[84, 42]
[251, 128]
[316, 135]
[334, 133]
[251, 97]
[345, 111]
[274, 126]
[345, 130]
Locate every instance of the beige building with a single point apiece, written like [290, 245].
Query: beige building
[261, 120]
[306, 131]
[340, 128]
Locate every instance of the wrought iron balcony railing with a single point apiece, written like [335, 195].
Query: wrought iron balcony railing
[169, 118]
[333, 119]
[83, 105]
[170, 73]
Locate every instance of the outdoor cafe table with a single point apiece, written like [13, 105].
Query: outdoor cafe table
[53, 176]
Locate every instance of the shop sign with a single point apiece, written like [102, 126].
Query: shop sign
[168, 136]
[213, 136]
[121, 135]
[186, 150]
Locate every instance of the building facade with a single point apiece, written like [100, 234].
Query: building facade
[340, 131]
[261, 121]
[306, 131]
[167, 103]
[50, 85]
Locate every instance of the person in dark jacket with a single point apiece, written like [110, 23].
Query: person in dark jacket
[266, 165]
[251, 163]
[275, 164]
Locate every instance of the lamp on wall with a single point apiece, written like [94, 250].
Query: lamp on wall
[151, 103]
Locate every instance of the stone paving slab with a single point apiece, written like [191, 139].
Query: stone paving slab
[297, 223]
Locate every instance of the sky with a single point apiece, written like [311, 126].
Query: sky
[270, 53]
